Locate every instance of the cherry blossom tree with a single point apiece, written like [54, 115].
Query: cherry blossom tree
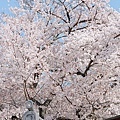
[63, 55]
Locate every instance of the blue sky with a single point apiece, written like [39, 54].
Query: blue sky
[4, 5]
[115, 4]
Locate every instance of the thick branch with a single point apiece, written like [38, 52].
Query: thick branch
[83, 74]
[26, 91]
[88, 67]
[117, 36]
[59, 17]
[67, 13]
[68, 100]
[46, 103]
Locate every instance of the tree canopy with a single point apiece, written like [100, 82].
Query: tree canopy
[64, 55]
